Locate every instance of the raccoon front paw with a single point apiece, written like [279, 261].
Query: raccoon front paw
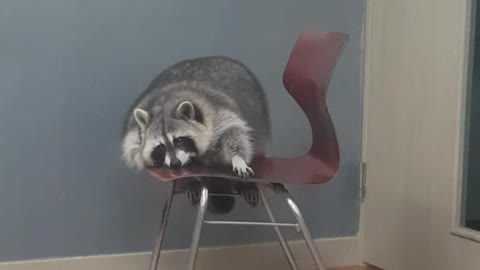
[241, 168]
[244, 172]
[249, 192]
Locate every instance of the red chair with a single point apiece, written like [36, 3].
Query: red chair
[306, 78]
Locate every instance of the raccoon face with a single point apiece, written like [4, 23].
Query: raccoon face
[172, 139]
[175, 153]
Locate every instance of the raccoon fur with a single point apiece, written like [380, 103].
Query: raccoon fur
[211, 109]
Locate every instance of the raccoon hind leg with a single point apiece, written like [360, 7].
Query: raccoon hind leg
[249, 192]
[192, 191]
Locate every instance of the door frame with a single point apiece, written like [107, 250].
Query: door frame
[461, 239]
[465, 79]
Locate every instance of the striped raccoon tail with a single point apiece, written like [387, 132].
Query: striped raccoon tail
[219, 204]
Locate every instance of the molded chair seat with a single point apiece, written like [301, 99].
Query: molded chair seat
[306, 78]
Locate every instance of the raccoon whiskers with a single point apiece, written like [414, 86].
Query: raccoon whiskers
[186, 162]
[183, 156]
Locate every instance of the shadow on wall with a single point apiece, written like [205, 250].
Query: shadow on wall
[71, 68]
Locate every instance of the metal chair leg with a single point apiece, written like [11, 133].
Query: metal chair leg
[312, 248]
[154, 260]
[197, 230]
[281, 238]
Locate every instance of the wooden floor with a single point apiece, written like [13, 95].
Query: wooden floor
[356, 268]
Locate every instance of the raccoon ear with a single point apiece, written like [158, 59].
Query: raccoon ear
[142, 117]
[186, 110]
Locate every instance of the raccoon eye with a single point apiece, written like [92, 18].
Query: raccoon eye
[186, 144]
[179, 141]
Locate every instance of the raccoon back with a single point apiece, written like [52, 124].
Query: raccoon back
[223, 76]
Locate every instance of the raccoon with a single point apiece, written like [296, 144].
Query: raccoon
[211, 110]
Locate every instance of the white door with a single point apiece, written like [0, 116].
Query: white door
[417, 74]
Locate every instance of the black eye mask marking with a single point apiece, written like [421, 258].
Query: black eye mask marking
[186, 144]
[158, 155]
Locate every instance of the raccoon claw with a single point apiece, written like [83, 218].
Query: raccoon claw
[249, 192]
[193, 198]
[192, 190]
[241, 168]
[246, 172]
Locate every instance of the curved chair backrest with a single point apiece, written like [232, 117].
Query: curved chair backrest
[306, 78]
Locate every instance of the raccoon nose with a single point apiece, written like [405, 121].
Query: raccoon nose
[175, 164]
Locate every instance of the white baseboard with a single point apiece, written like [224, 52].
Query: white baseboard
[334, 251]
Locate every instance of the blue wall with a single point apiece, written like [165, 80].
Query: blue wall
[69, 70]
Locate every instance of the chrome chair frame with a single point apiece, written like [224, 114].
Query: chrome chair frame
[278, 189]
[306, 78]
